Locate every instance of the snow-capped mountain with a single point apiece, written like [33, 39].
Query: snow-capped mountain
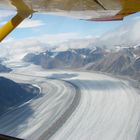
[125, 61]
[71, 58]
[12, 93]
[3, 68]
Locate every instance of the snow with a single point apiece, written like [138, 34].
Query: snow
[108, 108]
[54, 55]
[84, 56]
[31, 120]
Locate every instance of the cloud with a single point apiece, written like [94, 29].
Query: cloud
[126, 35]
[15, 50]
[8, 39]
[58, 38]
[29, 23]
[6, 13]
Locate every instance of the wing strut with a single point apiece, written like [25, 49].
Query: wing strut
[23, 11]
[10, 26]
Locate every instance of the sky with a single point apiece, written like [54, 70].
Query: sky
[45, 30]
[42, 24]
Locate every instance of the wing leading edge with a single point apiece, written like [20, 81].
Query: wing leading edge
[93, 10]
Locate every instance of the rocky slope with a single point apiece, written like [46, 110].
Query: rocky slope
[4, 68]
[122, 61]
[71, 58]
[12, 93]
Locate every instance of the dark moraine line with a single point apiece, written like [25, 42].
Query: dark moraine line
[61, 121]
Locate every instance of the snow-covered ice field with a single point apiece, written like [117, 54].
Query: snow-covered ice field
[101, 107]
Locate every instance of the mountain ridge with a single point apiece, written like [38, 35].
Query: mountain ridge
[125, 61]
[12, 93]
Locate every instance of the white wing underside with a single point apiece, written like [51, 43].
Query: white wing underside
[81, 9]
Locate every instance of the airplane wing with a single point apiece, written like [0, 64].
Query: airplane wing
[98, 10]
[94, 10]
